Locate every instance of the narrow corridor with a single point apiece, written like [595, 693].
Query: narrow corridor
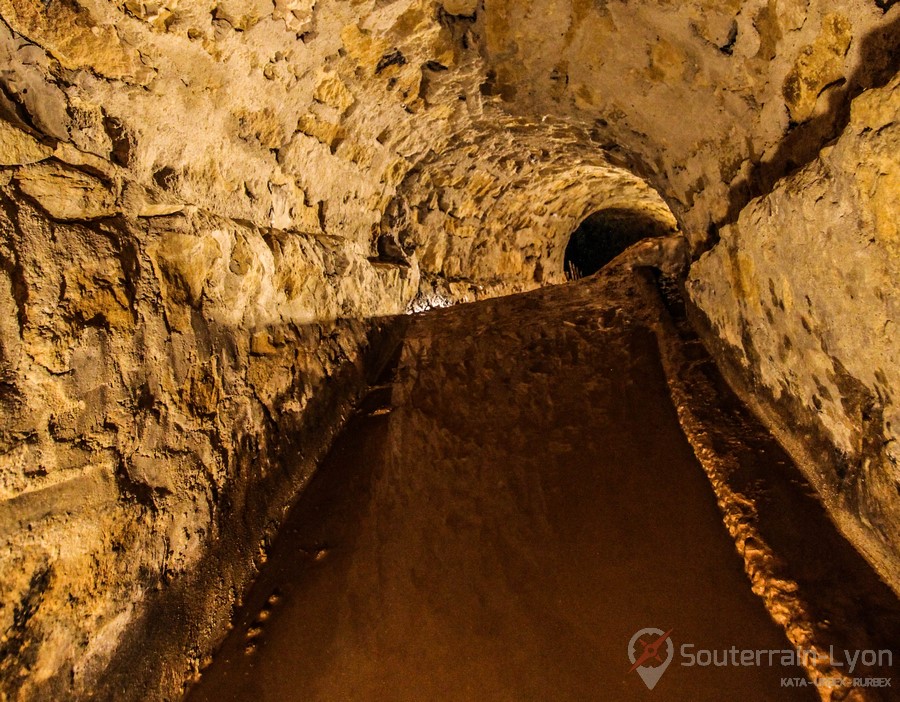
[508, 508]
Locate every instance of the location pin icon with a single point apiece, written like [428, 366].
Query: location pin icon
[655, 648]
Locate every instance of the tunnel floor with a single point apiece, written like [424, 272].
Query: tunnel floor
[509, 507]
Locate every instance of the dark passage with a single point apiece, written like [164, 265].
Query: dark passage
[606, 234]
[498, 522]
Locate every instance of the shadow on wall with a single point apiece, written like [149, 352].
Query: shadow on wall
[879, 63]
[604, 235]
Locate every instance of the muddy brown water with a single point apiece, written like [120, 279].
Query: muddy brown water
[504, 513]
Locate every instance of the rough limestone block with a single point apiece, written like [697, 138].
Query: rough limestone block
[66, 193]
[818, 66]
[19, 148]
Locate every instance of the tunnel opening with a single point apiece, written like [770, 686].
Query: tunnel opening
[604, 235]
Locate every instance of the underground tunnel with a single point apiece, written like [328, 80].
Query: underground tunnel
[449, 349]
[606, 234]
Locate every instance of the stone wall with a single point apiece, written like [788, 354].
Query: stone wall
[801, 296]
[207, 208]
[150, 411]
[711, 101]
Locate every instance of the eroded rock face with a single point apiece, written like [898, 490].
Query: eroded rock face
[206, 206]
[802, 293]
[713, 101]
[147, 394]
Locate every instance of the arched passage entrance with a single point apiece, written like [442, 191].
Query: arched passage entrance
[604, 235]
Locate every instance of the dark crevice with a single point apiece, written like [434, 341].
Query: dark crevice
[728, 47]
[392, 58]
[120, 140]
